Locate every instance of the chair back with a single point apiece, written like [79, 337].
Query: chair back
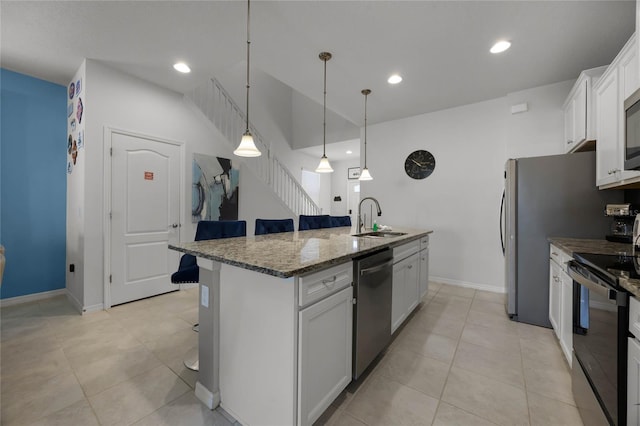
[273, 226]
[188, 271]
[314, 222]
[216, 229]
[337, 221]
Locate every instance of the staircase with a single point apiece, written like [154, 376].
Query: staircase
[216, 104]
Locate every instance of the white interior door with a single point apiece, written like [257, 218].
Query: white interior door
[145, 216]
[353, 198]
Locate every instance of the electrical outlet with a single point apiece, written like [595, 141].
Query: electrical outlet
[72, 267]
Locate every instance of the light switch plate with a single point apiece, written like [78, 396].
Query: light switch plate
[204, 296]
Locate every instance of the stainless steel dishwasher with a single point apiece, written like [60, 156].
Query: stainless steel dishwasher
[372, 311]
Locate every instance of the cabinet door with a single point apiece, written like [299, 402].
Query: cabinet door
[398, 310]
[607, 128]
[412, 283]
[580, 112]
[324, 364]
[566, 315]
[424, 272]
[633, 383]
[554, 297]
[629, 73]
[569, 137]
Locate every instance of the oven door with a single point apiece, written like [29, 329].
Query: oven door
[600, 319]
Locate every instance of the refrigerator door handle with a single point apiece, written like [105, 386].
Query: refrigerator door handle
[502, 221]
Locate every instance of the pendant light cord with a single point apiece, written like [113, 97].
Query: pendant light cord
[324, 116]
[248, 58]
[365, 131]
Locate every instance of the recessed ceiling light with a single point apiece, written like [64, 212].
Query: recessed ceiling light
[349, 152]
[500, 46]
[182, 67]
[394, 79]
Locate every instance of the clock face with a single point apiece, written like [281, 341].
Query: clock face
[419, 164]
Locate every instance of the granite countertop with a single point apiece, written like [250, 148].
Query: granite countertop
[579, 245]
[294, 253]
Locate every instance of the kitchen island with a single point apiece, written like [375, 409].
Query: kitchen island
[275, 318]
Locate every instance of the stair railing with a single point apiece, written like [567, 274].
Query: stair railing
[218, 106]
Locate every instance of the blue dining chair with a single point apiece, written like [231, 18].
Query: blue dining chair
[314, 222]
[337, 221]
[189, 272]
[273, 226]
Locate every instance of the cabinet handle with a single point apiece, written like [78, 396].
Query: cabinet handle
[569, 142]
[330, 281]
[554, 253]
[410, 266]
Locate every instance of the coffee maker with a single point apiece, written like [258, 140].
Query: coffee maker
[623, 217]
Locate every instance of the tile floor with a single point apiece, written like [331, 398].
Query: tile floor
[457, 361]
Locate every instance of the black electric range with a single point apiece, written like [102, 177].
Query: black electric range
[610, 267]
[600, 329]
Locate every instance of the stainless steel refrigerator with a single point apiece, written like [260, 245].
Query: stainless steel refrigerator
[554, 196]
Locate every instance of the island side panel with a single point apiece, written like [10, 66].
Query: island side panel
[258, 346]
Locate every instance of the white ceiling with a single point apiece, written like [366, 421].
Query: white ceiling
[336, 151]
[440, 47]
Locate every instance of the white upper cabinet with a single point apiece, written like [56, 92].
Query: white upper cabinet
[579, 123]
[619, 81]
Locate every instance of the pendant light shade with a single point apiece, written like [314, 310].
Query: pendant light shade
[324, 166]
[247, 147]
[365, 175]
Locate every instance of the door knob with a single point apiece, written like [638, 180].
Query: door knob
[175, 225]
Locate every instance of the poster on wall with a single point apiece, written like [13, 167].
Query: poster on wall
[214, 189]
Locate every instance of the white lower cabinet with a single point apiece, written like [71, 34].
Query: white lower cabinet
[424, 266]
[566, 316]
[555, 295]
[633, 383]
[324, 356]
[406, 284]
[633, 364]
[561, 300]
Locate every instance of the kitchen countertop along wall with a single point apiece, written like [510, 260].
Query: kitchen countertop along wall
[578, 245]
[295, 253]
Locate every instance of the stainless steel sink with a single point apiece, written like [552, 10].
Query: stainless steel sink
[380, 234]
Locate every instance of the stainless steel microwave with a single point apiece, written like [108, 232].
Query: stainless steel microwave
[632, 131]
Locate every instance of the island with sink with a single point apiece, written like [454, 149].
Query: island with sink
[276, 316]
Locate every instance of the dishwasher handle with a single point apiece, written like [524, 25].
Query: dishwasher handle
[376, 268]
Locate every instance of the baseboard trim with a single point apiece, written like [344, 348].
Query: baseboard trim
[31, 297]
[74, 302]
[208, 398]
[93, 308]
[468, 284]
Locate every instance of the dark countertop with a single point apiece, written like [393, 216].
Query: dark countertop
[289, 254]
[580, 245]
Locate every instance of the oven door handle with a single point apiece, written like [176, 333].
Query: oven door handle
[605, 292]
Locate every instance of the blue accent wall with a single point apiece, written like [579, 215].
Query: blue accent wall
[33, 184]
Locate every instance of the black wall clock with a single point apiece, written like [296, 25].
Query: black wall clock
[419, 164]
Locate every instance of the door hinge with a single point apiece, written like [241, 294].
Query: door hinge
[353, 301]
[110, 277]
[111, 152]
[110, 215]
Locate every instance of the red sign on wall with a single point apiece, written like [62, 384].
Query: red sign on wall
[148, 175]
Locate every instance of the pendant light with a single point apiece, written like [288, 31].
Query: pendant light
[365, 175]
[324, 166]
[247, 147]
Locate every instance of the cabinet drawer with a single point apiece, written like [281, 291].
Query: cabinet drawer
[405, 250]
[314, 287]
[634, 316]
